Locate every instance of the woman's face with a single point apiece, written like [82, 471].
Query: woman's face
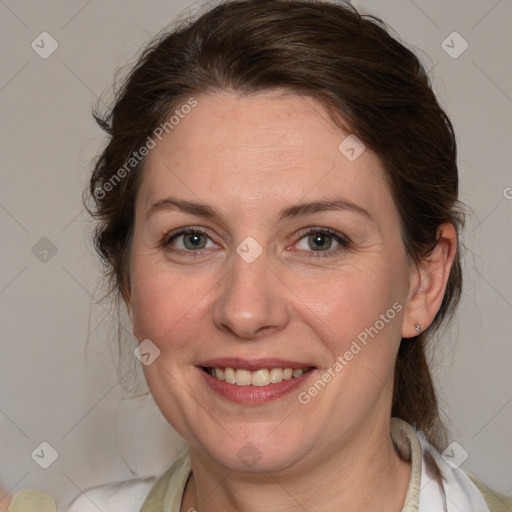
[263, 285]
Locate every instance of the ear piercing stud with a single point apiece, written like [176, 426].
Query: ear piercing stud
[418, 328]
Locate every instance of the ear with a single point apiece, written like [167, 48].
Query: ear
[428, 282]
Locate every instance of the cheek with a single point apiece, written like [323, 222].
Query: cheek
[164, 302]
[173, 307]
[347, 302]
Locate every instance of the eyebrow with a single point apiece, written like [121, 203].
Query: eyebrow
[297, 210]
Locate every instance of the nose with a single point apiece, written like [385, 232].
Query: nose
[252, 301]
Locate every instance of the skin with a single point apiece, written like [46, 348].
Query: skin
[249, 157]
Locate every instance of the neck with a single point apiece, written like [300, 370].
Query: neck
[365, 474]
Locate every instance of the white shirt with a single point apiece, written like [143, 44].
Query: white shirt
[125, 496]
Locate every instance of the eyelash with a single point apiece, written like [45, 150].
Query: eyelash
[343, 240]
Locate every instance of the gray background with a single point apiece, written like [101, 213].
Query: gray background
[54, 391]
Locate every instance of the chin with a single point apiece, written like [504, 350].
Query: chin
[245, 454]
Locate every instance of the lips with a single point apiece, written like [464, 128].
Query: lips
[253, 381]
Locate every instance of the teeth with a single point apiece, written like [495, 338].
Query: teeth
[243, 377]
[276, 375]
[229, 375]
[261, 377]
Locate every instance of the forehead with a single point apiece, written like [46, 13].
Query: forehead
[268, 148]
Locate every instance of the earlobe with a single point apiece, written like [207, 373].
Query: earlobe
[429, 283]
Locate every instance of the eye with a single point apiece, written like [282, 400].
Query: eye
[187, 240]
[318, 241]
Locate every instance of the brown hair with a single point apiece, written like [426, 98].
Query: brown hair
[370, 83]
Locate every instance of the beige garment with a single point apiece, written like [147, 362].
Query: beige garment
[32, 501]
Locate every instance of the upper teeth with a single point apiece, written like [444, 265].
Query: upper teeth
[257, 378]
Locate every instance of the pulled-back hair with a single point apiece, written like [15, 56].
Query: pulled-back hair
[371, 85]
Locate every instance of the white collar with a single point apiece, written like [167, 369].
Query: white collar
[424, 493]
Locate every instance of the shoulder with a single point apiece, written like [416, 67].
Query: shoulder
[460, 488]
[167, 493]
[138, 495]
[496, 501]
[437, 483]
[125, 496]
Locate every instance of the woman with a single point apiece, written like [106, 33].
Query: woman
[278, 208]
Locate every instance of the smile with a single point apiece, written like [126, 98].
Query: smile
[261, 377]
[254, 381]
